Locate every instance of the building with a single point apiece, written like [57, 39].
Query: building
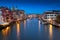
[34, 15]
[1, 17]
[39, 16]
[21, 13]
[6, 13]
[14, 15]
[16, 12]
[51, 15]
[30, 16]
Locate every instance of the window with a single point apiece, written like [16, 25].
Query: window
[47, 15]
[55, 15]
[51, 15]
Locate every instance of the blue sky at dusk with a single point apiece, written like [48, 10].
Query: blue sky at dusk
[32, 6]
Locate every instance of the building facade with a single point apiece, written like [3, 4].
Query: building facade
[6, 13]
[51, 15]
[1, 17]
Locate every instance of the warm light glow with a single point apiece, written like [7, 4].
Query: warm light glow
[5, 33]
[49, 19]
[18, 30]
[5, 24]
[50, 31]
[24, 24]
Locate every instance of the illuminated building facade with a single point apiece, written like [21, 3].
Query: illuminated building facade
[51, 15]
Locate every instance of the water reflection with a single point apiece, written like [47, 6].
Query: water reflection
[18, 30]
[24, 24]
[5, 33]
[45, 28]
[39, 25]
[30, 30]
[50, 31]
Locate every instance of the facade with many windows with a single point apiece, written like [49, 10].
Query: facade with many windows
[51, 15]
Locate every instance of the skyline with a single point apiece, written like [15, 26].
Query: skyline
[32, 6]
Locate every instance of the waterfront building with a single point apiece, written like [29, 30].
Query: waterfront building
[30, 16]
[39, 16]
[15, 12]
[50, 15]
[14, 15]
[34, 15]
[6, 13]
[1, 17]
[22, 15]
[15, 9]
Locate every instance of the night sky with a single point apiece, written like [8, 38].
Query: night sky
[32, 6]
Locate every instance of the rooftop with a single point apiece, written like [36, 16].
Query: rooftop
[52, 12]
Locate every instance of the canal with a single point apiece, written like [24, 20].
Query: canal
[30, 29]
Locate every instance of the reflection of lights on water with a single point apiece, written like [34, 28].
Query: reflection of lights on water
[24, 24]
[5, 32]
[28, 19]
[50, 31]
[45, 28]
[39, 25]
[18, 30]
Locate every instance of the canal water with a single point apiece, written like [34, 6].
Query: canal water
[30, 29]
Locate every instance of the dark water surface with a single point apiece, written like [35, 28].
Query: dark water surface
[30, 30]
